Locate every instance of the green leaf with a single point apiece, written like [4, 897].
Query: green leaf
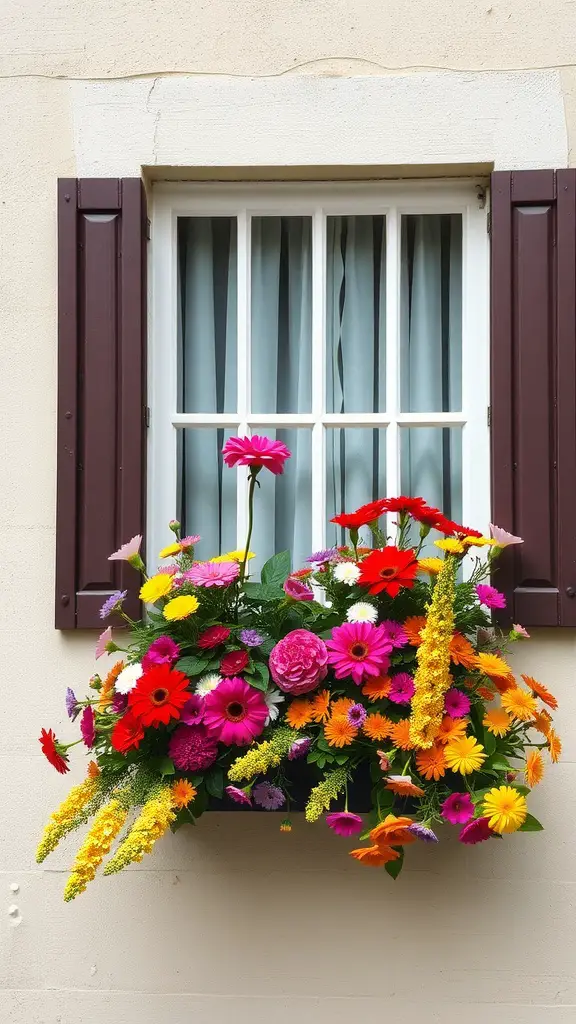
[192, 665]
[263, 592]
[531, 824]
[164, 765]
[215, 783]
[276, 569]
[489, 742]
[523, 790]
[260, 676]
[496, 763]
[394, 867]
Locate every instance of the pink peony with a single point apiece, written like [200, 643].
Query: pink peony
[235, 712]
[162, 651]
[192, 748]
[344, 823]
[256, 451]
[212, 574]
[297, 590]
[299, 662]
[359, 649]
[457, 808]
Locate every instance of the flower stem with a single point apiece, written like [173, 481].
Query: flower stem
[253, 474]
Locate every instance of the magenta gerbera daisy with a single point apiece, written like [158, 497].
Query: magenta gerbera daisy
[344, 823]
[212, 574]
[456, 703]
[256, 451]
[489, 596]
[458, 808]
[395, 632]
[358, 649]
[235, 712]
[401, 688]
[87, 726]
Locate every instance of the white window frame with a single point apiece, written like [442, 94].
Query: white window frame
[317, 200]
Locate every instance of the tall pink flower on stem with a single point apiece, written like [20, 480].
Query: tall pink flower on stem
[359, 649]
[502, 537]
[129, 552]
[235, 713]
[299, 662]
[256, 451]
[104, 639]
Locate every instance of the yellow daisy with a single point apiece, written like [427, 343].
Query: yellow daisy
[491, 665]
[505, 808]
[181, 607]
[519, 703]
[156, 587]
[233, 556]
[430, 565]
[497, 721]
[451, 545]
[534, 770]
[464, 755]
[172, 549]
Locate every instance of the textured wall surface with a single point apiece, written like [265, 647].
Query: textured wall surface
[234, 922]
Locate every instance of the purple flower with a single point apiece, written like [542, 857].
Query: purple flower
[87, 726]
[356, 715]
[297, 590]
[162, 651]
[251, 637]
[193, 711]
[72, 706]
[476, 832]
[299, 748]
[423, 833]
[321, 557]
[456, 703]
[401, 688]
[239, 796]
[394, 632]
[489, 596]
[120, 703]
[112, 603]
[268, 796]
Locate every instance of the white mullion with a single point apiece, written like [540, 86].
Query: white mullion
[475, 369]
[244, 380]
[318, 379]
[392, 352]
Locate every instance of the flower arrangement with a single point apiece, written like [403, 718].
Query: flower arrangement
[374, 658]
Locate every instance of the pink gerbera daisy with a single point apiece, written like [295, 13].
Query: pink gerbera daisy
[344, 823]
[457, 808]
[256, 451]
[359, 649]
[401, 688]
[235, 712]
[212, 574]
[456, 703]
[489, 596]
[395, 632]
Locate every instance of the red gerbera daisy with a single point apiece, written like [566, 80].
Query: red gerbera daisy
[234, 662]
[159, 695]
[388, 570]
[412, 506]
[52, 751]
[127, 733]
[362, 516]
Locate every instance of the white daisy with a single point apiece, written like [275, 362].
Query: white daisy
[362, 612]
[128, 678]
[346, 572]
[272, 699]
[208, 683]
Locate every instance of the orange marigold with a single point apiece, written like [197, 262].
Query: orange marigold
[321, 706]
[542, 721]
[299, 713]
[534, 770]
[554, 745]
[492, 666]
[393, 831]
[497, 721]
[485, 693]
[461, 651]
[341, 706]
[93, 770]
[451, 729]
[431, 763]
[107, 688]
[519, 703]
[377, 687]
[374, 856]
[182, 793]
[377, 726]
[541, 691]
[400, 735]
[413, 627]
[402, 785]
[339, 733]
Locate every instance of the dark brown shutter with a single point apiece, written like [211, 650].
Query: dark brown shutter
[534, 390]
[101, 397]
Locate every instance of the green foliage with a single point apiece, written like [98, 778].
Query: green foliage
[531, 824]
[193, 665]
[276, 569]
[394, 867]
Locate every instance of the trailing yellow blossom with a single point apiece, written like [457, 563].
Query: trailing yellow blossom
[258, 759]
[105, 827]
[156, 587]
[66, 817]
[451, 545]
[153, 821]
[432, 678]
[325, 792]
[107, 688]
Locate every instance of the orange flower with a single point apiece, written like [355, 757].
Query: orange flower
[321, 706]
[182, 793]
[502, 685]
[413, 627]
[402, 785]
[554, 745]
[519, 703]
[107, 688]
[93, 770]
[377, 726]
[400, 735]
[393, 831]
[485, 693]
[431, 763]
[299, 713]
[492, 666]
[540, 690]
[340, 707]
[497, 721]
[451, 729]
[375, 856]
[339, 732]
[542, 721]
[377, 687]
[461, 651]
[534, 770]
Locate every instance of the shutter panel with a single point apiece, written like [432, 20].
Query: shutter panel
[534, 391]
[101, 392]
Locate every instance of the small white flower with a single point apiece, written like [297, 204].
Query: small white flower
[128, 678]
[208, 683]
[347, 572]
[362, 612]
[272, 699]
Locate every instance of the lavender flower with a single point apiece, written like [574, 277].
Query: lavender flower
[299, 748]
[251, 637]
[112, 603]
[356, 715]
[321, 557]
[72, 705]
[268, 796]
[423, 832]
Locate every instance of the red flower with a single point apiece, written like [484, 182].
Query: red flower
[465, 531]
[234, 662]
[212, 637]
[362, 516]
[159, 695]
[410, 505]
[388, 570]
[127, 733]
[50, 749]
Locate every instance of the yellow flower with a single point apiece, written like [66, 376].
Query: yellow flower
[505, 808]
[182, 793]
[497, 721]
[104, 829]
[554, 745]
[325, 792]
[259, 758]
[491, 665]
[172, 549]
[432, 678]
[534, 770]
[519, 703]
[181, 607]
[154, 819]
[478, 542]
[465, 755]
[451, 545]
[67, 817]
[156, 587]
[430, 565]
[233, 556]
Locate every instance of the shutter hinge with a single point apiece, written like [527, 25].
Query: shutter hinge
[147, 415]
[489, 222]
[481, 196]
[489, 416]
[148, 229]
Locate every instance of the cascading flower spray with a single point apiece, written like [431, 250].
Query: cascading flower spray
[432, 678]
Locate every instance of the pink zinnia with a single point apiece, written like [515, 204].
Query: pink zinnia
[193, 711]
[162, 651]
[395, 632]
[520, 630]
[103, 640]
[344, 823]
[256, 451]
[359, 649]
[401, 688]
[502, 537]
[127, 551]
[476, 832]
[192, 748]
[297, 590]
[299, 662]
[235, 712]
[213, 637]
[87, 727]
[456, 703]
[457, 808]
[189, 542]
[489, 596]
[212, 574]
[239, 796]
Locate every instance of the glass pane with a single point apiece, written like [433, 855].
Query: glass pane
[283, 504]
[207, 497]
[281, 337]
[431, 467]
[356, 314]
[355, 473]
[207, 317]
[431, 313]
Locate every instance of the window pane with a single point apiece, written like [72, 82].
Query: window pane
[431, 313]
[283, 504]
[431, 467]
[281, 337]
[207, 498]
[207, 314]
[356, 314]
[355, 473]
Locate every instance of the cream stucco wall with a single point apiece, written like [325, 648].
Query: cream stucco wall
[234, 922]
